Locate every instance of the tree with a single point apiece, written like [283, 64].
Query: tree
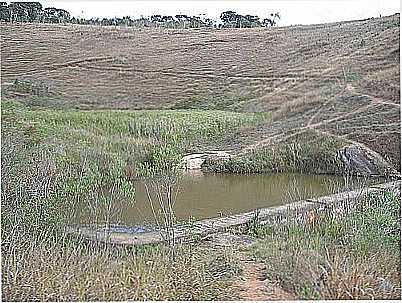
[209, 22]
[4, 12]
[167, 19]
[229, 18]
[127, 21]
[272, 20]
[156, 18]
[252, 21]
[33, 12]
[195, 22]
[25, 11]
[232, 19]
[56, 15]
[141, 22]
[105, 21]
[181, 17]
[183, 20]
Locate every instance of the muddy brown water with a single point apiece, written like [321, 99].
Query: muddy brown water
[211, 195]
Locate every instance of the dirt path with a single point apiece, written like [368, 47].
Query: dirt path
[374, 99]
[311, 125]
[251, 284]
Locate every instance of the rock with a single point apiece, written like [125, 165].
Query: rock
[359, 160]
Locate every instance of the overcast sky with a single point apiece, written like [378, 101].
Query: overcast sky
[291, 11]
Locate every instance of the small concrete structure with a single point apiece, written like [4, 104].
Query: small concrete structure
[195, 161]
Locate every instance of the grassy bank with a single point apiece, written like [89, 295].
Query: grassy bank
[52, 160]
[308, 152]
[94, 155]
[136, 138]
[337, 254]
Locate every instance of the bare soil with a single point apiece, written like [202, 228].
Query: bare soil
[252, 283]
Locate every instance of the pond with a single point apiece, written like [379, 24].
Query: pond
[202, 196]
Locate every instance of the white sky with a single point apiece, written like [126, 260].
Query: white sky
[291, 11]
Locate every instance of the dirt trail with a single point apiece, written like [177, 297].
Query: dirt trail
[280, 137]
[251, 284]
[374, 99]
[76, 62]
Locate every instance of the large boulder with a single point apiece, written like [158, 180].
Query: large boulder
[359, 160]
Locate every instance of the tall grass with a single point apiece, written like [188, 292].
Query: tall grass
[343, 253]
[49, 267]
[138, 138]
[43, 181]
[95, 155]
[308, 153]
[176, 126]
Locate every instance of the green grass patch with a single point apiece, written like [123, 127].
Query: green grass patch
[306, 153]
[132, 135]
[53, 161]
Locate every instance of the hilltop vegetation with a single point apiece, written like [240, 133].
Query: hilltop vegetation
[34, 12]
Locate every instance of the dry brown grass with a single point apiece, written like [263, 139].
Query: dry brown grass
[43, 268]
[348, 279]
[108, 67]
[339, 78]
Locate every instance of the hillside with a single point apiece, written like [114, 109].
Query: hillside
[338, 79]
[96, 124]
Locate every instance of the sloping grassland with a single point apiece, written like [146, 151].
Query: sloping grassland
[337, 80]
[279, 99]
